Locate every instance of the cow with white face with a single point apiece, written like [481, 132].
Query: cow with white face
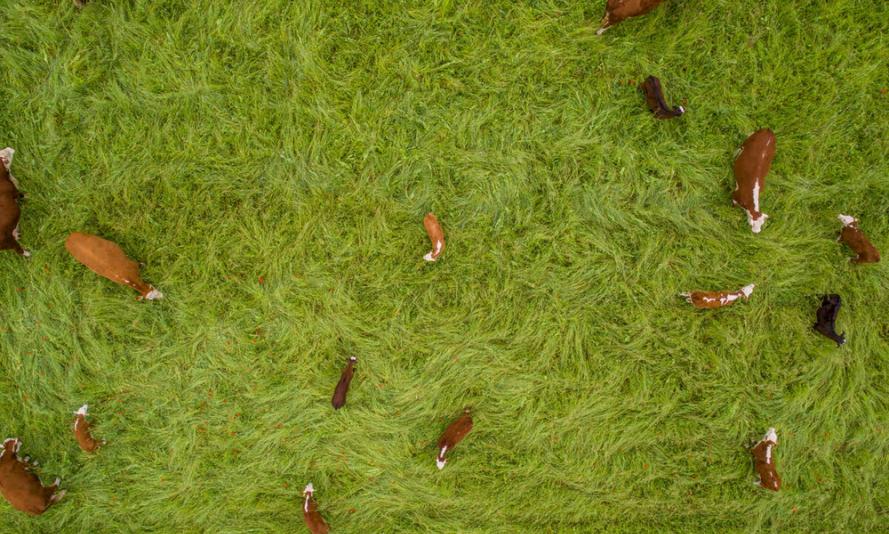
[751, 166]
[20, 486]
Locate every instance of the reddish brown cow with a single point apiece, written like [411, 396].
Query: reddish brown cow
[619, 10]
[107, 259]
[436, 235]
[752, 164]
[717, 299]
[20, 486]
[857, 241]
[82, 431]
[764, 461]
[311, 516]
[10, 211]
[654, 97]
[453, 434]
[342, 387]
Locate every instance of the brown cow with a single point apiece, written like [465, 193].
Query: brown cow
[654, 97]
[107, 259]
[436, 235]
[20, 486]
[10, 211]
[342, 387]
[82, 431]
[453, 434]
[619, 10]
[857, 241]
[764, 461]
[311, 516]
[752, 164]
[717, 299]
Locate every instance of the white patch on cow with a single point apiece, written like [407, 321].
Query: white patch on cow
[6, 156]
[440, 463]
[82, 410]
[756, 196]
[771, 435]
[769, 453]
[154, 294]
[756, 224]
[309, 489]
[428, 257]
[748, 290]
[600, 31]
[847, 220]
[26, 253]
[681, 109]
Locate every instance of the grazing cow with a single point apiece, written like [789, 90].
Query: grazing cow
[857, 241]
[342, 387]
[654, 97]
[752, 164]
[436, 235]
[107, 259]
[764, 461]
[20, 486]
[827, 316]
[82, 431]
[717, 299]
[311, 516]
[10, 211]
[619, 10]
[453, 434]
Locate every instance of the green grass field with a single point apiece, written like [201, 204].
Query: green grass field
[271, 163]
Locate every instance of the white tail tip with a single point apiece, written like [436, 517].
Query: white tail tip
[82, 410]
[309, 488]
[748, 290]
[771, 435]
[846, 219]
[440, 463]
[154, 294]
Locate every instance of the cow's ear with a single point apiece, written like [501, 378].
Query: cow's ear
[6, 157]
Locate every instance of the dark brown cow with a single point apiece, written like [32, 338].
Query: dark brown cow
[751, 166]
[311, 516]
[20, 486]
[342, 387]
[857, 241]
[453, 434]
[764, 461]
[10, 211]
[826, 319]
[717, 299]
[82, 431]
[436, 235]
[619, 10]
[107, 259]
[654, 97]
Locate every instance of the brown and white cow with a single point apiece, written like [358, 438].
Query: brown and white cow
[20, 486]
[654, 97]
[717, 299]
[312, 517]
[10, 211]
[764, 461]
[857, 241]
[619, 10]
[82, 431]
[453, 434]
[107, 259]
[342, 387]
[751, 166]
[436, 235]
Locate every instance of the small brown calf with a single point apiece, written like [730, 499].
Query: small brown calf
[82, 431]
[619, 10]
[764, 461]
[751, 166]
[717, 299]
[453, 434]
[857, 241]
[436, 235]
[107, 259]
[20, 486]
[654, 97]
[311, 516]
[342, 387]
[10, 211]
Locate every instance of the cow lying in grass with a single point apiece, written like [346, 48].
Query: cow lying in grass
[852, 236]
[764, 461]
[82, 432]
[107, 259]
[717, 299]
[453, 434]
[10, 212]
[20, 486]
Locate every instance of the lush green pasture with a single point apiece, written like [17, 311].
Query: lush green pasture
[271, 163]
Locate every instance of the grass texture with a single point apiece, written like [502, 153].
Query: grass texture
[271, 163]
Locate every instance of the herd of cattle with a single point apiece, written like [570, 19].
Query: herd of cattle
[24, 491]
